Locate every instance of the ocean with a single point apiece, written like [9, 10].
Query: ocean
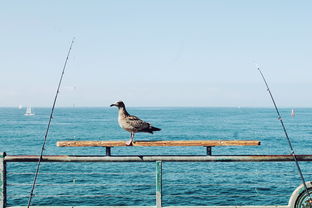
[184, 183]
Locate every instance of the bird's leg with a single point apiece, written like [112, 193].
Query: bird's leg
[128, 143]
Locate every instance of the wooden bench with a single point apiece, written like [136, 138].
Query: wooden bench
[205, 143]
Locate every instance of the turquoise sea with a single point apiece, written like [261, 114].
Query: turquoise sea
[221, 183]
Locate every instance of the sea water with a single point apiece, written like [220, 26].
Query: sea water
[184, 183]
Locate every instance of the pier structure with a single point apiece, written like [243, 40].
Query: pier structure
[297, 199]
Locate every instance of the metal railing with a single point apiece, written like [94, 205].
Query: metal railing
[171, 187]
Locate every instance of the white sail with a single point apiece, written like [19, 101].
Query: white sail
[28, 111]
[292, 113]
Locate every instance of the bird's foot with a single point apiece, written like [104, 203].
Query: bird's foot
[129, 143]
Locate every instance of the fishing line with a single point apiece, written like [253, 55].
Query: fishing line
[48, 127]
[288, 140]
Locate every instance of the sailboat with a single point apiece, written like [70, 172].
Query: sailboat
[292, 113]
[28, 111]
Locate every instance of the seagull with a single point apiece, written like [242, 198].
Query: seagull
[131, 123]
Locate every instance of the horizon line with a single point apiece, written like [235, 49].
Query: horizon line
[160, 106]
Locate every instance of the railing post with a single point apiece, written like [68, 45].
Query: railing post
[158, 184]
[108, 151]
[209, 150]
[2, 181]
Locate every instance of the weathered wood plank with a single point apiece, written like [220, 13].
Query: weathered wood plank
[204, 143]
[2, 181]
[158, 184]
[268, 206]
[154, 158]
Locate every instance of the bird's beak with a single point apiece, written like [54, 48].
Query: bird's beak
[113, 105]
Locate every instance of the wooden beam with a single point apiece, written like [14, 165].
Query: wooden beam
[154, 158]
[268, 206]
[210, 143]
[158, 184]
[2, 180]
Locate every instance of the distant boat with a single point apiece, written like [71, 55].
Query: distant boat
[20, 106]
[28, 111]
[292, 113]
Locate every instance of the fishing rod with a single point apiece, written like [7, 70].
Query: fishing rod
[48, 127]
[288, 140]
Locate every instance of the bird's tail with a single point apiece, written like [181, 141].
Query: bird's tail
[150, 129]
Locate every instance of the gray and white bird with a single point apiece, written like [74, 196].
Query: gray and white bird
[131, 123]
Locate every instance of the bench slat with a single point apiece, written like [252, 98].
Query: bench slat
[210, 143]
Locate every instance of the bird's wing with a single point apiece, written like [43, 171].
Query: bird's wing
[137, 123]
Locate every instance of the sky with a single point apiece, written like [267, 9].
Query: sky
[156, 53]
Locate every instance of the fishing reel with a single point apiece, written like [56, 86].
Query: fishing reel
[300, 198]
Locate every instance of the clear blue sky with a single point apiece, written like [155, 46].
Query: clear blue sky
[156, 53]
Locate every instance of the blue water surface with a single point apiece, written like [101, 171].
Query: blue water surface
[185, 183]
